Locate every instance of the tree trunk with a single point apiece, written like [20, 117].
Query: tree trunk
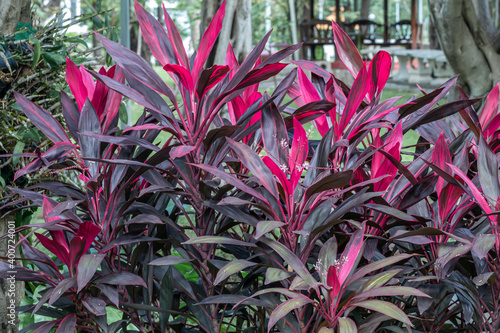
[365, 9]
[12, 12]
[466, 44]
[11, 291]
[236, 29]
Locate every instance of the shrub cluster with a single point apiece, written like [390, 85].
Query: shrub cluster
[191, 221]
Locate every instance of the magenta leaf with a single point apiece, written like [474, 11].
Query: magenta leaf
[208, 40]
[176, 40]
[183, 74]
[76, 250]
[356, 95]
[350, 255]
[490, 108]
[89, 232]
[379, 71]
[332, 281]
[56, 248]
[154, 35]
[348, 52]
[76, 84]
[209, 78]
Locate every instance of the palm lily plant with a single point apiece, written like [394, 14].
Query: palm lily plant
[293, 211]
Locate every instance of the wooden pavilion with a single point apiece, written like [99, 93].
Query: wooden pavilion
[318, 32]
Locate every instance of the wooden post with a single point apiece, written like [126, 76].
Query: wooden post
[386, 21]
[413, 24]
[337, 12]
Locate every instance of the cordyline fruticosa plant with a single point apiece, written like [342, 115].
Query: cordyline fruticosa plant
[217, 211]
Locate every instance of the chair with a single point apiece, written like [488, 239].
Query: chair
[316, 33]
[364, 32]
[401, 32]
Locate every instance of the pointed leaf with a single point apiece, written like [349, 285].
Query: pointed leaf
[482, 244]
[168, 261]
[284, 308]
[88, 265]
[386, 308]
[253, 162]
[348, 52]
[208, 40]
[347, 325]
[42, 119]
[67, 324]
[231, 268]
[263, 227]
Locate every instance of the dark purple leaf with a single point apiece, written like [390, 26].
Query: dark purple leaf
[42, 119]
[253, 162]
[217, 240]
[61, 288]
[87, 267]
[336, 180]
[122, 279]
[130, 62]
[95, 305]
[71, 114]
[67, 324]
[89, 146]
[123, 140]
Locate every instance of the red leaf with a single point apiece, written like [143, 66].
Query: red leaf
[153, 33]
[476, 194]
[348, 52]
[209, 78]
[76, 251]
[379, 71]
[356, 96]
[309, 94]
[332, 281]
[259, 75]
[447, 199]
[287, 186]
[183, 74]
[441, 157]
[56, 248]
[350, 255]
[298, 153]
[75, 82]
[89, 232]
[176, 40]
[113, 101]
[208, 40]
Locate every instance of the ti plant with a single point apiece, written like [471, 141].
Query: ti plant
[230, 208]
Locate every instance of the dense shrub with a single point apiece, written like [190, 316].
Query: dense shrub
[189, 221]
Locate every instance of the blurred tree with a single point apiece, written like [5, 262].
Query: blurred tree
[13, 12]
[470, 39]
[236, 28]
